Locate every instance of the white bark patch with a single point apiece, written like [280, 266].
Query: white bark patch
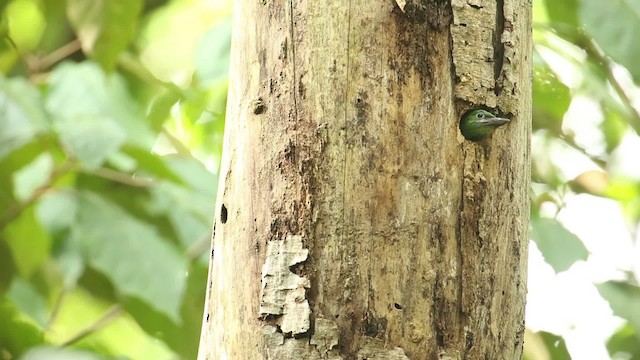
[472, 34]
[374, 349]
[283, 292]
[325, 336]
[279, 348]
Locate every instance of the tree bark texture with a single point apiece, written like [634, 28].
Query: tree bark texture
[353, 220]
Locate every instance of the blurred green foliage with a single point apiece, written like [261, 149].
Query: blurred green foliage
[586, 50]
[112, 114]
[110, 134]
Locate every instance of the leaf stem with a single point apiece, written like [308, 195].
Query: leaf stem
[14, 211]
[113, 313]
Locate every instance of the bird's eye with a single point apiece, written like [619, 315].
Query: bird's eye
[480, 115]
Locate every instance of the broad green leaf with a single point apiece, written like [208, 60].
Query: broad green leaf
[189, 207]
[189, 212]
[623, 299]
[559, 247]
[160, 109]
[29, 242]
[17, 333]
[151, 164]
[556, 346]
[91, 138]
[183, 338]
[8, 54]
[32, 176]
[9, 271]
[613, 24]
[131, 254]
[105, 28]
[551, 98]
[212, 54]
[195, 174]
[57, 30]
[120, 335]
[21, 114]
[53, 353]
[613, 127]
[26, 23]
[27, 299]
[627, 192]
[564, 12]
[625, 343]
[70, 262]
[543, 345]
[83, 92]
[57, 213]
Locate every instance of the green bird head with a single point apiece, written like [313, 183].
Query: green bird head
[478, 124]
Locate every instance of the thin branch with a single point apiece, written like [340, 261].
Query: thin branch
[199, 247]
[582, 40]
[113, 313]
[57, 55]
[56, 307]
[592, 49]
[176, 143]
[15, 211]
[122, 178]
[572, 143]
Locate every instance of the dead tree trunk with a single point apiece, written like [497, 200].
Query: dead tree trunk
[354, 221]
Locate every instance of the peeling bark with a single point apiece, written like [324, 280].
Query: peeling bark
[355, 222]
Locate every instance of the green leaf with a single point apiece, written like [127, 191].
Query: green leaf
[559, 247]
[551, 99]
[212, 54]
[83, 92]
[623, 299]
[21, 114]
[189, 212]
[57, 30]
[613, 127]
[625, 343]
[544, 345]
[182, 338]
[91, 138]
[9, 271]
[160, 109]
[28, 301]
[613, 25]
[121, 336]
[104, 28]
[555, 345]
[53, 353]
[33, 176]
[190, 208]
[563, 12]
[152, 164]
[49, 214]
[26, 23]
[131, 254]
[29, 242]
[195, 174]
[58, 223]
[17, 333]
[627, 192]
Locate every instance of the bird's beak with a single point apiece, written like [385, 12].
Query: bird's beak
[495, 121]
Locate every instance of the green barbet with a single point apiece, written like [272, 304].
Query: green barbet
[478, 124]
